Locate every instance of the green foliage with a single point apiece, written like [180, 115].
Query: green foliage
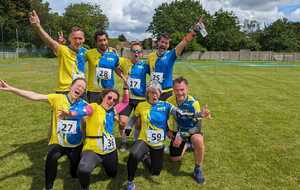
[147, 43]
[122, 38]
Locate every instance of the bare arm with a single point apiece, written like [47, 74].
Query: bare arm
[120, 74]
[35, 22]
[23, 93]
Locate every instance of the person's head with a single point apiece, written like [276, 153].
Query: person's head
[180, 88]
[153, 91]
[163, 43]
[136, 51]
[101, 39]
[76, 37]
[77, 88]
[110, 97]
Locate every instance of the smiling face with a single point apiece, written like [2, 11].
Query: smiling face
[180, 90]
[136, 53]
[102, 42]
[163, 45]
[76, 39]
[110, 100]
[77, 89]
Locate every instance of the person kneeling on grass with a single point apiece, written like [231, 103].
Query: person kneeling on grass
[99, 145]
[66, 130]
[152, 116]
[187, 129]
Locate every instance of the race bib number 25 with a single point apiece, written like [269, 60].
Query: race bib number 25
[67, 126]
[103, 73]
[157, 76]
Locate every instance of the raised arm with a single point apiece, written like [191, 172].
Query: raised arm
[35, 22]
[125, 100]
[197, 28]
[23, 93]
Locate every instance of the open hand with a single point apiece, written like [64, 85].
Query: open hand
[4, 86]
[34, 18]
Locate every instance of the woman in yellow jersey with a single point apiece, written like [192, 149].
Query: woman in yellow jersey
[66, 131]
[100, 146]
[152, 116]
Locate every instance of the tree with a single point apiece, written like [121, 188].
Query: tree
[122, 38]
[176, 17]
[88, 17]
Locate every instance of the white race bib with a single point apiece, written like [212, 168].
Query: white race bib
[155, 136]
[67, 126]
[134, 83]
[103, 73]
[157, 76]
[109, 142]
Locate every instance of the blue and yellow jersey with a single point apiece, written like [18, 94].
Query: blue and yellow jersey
[99, 130]
[137, 77]
[153, 122]
[70, 65]
[101, 69]
[66, 132]
[162, 68]
[189, 105]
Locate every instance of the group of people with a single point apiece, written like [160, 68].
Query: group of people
[85, 107]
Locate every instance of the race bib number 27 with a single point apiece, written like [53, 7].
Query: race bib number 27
[67, 126]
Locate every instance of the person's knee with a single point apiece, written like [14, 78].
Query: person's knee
[123, 122]
[84, 169]
[53, 157]
[175, 158]
[197, 141]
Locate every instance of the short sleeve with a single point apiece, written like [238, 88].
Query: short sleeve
[197, 106]
[60, 50]
[172, 57]
[137, 111]
[52, 99]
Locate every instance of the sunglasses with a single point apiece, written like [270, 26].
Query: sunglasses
[111, 98]
[136, 51]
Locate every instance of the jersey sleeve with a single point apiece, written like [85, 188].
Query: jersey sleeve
[52, 99]
[137, 111]
[197, 106]
[172, 57]
[60, 50]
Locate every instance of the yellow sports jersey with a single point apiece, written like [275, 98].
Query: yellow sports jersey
[99, 131]
[66, 67]
[189, 105]
[153, 122]
[93, 56]
[67, 131]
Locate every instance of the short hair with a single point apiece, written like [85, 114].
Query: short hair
[79, 78]
[180, 80]
[106, 91]
[76, 28]
[100, 33]
[164, 35]
[135, 43]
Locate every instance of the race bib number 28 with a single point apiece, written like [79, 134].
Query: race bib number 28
[103, 73]
[67, 126]
[155, 136]
[157, 76]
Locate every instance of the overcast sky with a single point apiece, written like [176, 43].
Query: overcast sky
[132, 17]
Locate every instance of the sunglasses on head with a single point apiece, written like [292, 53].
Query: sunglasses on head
[111, 98]
[136, 51]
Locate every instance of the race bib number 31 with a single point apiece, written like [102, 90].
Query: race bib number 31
[157, 76]
[134, 83]
[67, 126]
[155, 136]
[103, 73]
[109, 142]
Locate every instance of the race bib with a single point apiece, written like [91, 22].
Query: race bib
[77, 75]
[134, 83]
[155, 136]
[109, 142]
[103, 73]
[67, 126]
[157, 76]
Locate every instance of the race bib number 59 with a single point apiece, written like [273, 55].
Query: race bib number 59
[155, 136]
[103, 73]
[157, 76]
[67, 126]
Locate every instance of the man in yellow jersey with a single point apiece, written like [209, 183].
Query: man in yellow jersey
[71, 58]
[136, 71]
[162, 60]
[102, 62]
[66, 131]
[184, 130]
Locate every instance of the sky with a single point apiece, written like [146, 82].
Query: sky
[132, 17]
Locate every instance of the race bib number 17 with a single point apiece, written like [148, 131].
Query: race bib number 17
[103, 73]
[134, 83]
[157, 76]
[67, 126]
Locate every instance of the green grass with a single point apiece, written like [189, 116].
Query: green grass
[252, 142]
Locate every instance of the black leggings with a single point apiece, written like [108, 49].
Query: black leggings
[137, 152]
[89, 160]
[55, 152]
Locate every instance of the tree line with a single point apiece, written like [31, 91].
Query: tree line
[226, 33]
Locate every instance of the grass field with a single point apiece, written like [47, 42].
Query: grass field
[252, 142]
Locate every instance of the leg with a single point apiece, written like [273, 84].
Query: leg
[198, 143]
[176, 153]
[110, 163]
[156, 156]
[74, 157]
[138, 150]
[88, 162]
[54, 153]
